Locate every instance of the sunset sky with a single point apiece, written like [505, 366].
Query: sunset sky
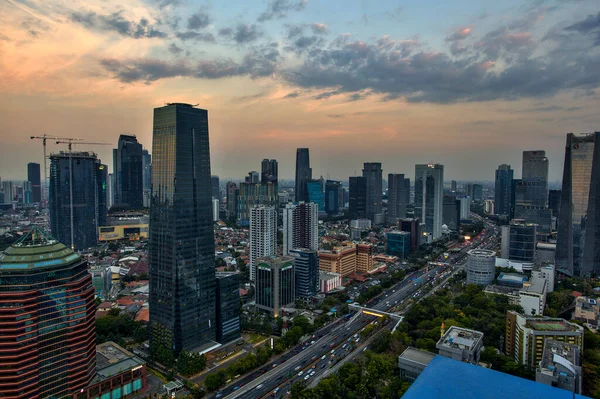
[468, 84]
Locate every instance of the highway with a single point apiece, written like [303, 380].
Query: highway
[309, 361]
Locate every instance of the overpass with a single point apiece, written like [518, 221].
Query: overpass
[374, 312]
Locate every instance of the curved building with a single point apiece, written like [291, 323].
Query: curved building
[481, 266]
[47, 314]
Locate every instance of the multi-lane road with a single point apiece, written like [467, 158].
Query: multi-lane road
[309, 361]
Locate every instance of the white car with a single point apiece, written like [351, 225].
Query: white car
[300, 373]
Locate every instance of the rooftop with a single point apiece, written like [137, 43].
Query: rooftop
[512, 277]
[536, 285]
[460, 338]
[551, 325]
[482, 253]
[569, 352]
[447, 378]
[111, 360]
[417, 355]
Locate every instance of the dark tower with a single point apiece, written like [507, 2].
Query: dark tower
[303, 174]
[182, 260]
[33, 175]
[269, 171]
[503, 190]
[396, 198]
[128, 172]
[357, 205]
[373, 180]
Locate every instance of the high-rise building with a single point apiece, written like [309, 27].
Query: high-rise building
[275, 283]
[254, 194]
[77, 200]
[215, 209]
[481, 266]
[503, 188]
[560, 366]
[232, 199]
[429, 192]
[333, 193]
[253, 177]
[451, 212]
[27, 192]
[315, 193]
[306, 272]
[263, 235]
[406, 190]
[554, 201]
[531, 191]
[357, 204]
[372, 174]
[269, 171]
[128, 172]
[465, 208]
[303, 174]
[182, 249]
[578, 239]
[396, 198]
[215, 187]
[48, 333]
[300, 226]
[146, 176]
[535, 168]
[227, 307]
[474, 191]
[9, 191]
[398, 244]
[110, 191]
[33, 175]
[413, 226]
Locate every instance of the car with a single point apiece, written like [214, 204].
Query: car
[307, 377]
[333, 350]
[323, 366]
[300, 373]
[218, 395]
[297, 368]
[259, 386]
[323, 357]
[235, 388]
[276, 390]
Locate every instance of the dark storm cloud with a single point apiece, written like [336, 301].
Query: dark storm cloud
[199, 20]
[278, 9]
[198, 36]
[259, 62]
[588, 26]
[115, 22]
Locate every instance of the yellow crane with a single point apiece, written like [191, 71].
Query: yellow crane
[70, 142]
[45, 137]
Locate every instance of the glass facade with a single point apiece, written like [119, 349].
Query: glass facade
[578, 240]
[128, 172]
[315, 194]
[228, 307]
[33, 176]
[181, 254]
[215, 187]
[275, 283]
[398, 244]
[333, 193]
[89, 202]
[396, 198]
[303, 174]
[269, 171]
[429, 192]
[357, 201]
[522, 241]
[373, 180]
[503, 188]
[254, 194]
[451, 212]
[306, 270]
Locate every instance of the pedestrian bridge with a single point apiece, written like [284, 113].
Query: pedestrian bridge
[374, 312]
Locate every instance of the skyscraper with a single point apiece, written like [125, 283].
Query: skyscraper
[503, 187]
[303, 174]
[357, 202]
[372, 174]
[554, 201]
[75, 203]
[300, 226]
[232, 199]
[33, 175]
[578, 240]
[451, 212]
[146, 176]
[182, 249]
[48, 337]
[396, 198]
[254, 194]
[215, 187]
[263, 234]
[333, 192]
[275, 283]
[412, 226]
[306, 272]
[429, 193]
[269, 171]
[227, 307]
[128, 172]
[314, 189]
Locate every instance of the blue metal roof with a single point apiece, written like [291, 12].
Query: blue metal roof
[447, 378]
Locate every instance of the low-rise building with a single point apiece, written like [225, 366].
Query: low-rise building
[461, 344]
[532, 296]
[560, 366]
[511, 280]
[227, 307]
[510, 292]
[586, 310]
[546, 272]
[329, 281]
[412, 362]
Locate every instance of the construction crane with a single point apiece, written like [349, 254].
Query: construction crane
[70, 142]
[45, 137]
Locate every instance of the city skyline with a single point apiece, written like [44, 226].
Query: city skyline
[485, 81]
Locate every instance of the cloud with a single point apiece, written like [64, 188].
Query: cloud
[503, 42]
[242, 33]
[175, 49]
[459, 34]
[115, 22]
[225, 32]
[319, 28]
[199, 20]
[278, 9]
[293, 94]
[34, 27]
[548, 108]
[588, 26]
[336, 116]
[197, 36]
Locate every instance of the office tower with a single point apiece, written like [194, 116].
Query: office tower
[232, 199]
[33, 175]
[398, 244]
[182, 249]
[227, 307]
[263, 234]
[396, 198]
[531, 191]
[27, 192]
[451, 212]
[110, 197]
[300, 226]
[315, 194]
[407, 190]
[453, 186]
[560, 366]
[9, 193]
[269, 171]
[578, 240]
[372, 174]
[465, 208]
[364, 258]
[477, 194]
[303, 174]
[341, 197]
[429, 191]
[554, 201]
[275, 283]
[333, 193]
[146, 177]
[535, 168]
[306, 272]
[503, 188]
[215, 188]
[128, 172]
[413, 226]
[252, 178]
[101, 189]
[522, 240]
[254, 194]
[525, 336]
[76, 213]
[481, 266]
[357, 204]
[215, 210]
[48, 333]
[340, 260]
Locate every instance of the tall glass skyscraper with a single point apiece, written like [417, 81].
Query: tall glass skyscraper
[429, 194]
[33, 175]
[303, 174]
[578, 240]
[357, 201]
[373, 179]
[503, 188]
[269, 171]
[396, 198]
[334, 196]
[128, 172]
[182, 249]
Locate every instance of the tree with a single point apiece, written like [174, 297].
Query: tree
[214, 381]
